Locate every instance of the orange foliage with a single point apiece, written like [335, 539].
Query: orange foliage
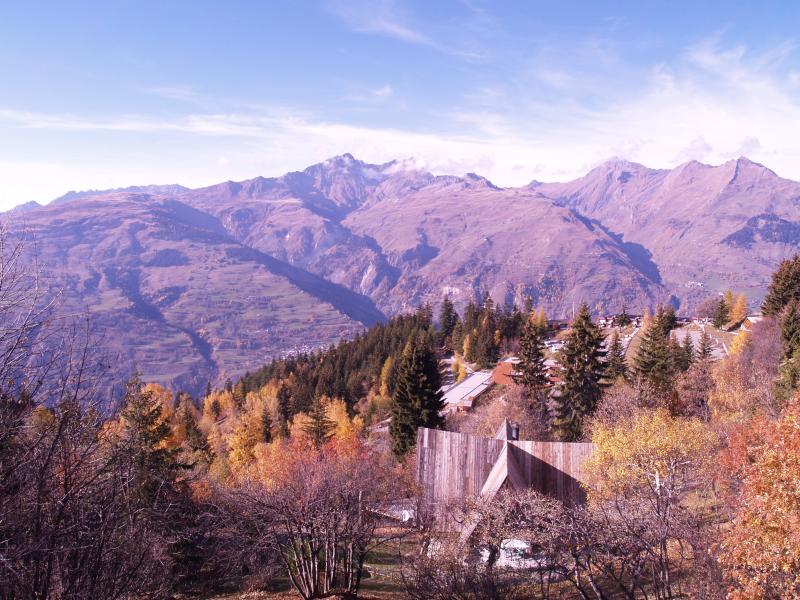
[761, 551]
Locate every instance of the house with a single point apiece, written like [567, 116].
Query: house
[452, 467]
[750, 321]
[462, 395]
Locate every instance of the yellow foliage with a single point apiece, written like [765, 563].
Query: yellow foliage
[733, 399]
[648, 452]
[739, 343]
[386, 373]
[346, 428]
[739, 309]
[297, 427]
[163, 396]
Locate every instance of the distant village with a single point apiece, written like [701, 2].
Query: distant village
[460, 396]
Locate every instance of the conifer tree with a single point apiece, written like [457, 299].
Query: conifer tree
[704, 348]
[665, 320]
[786, 383]
[283, 401]
[616, 367]
[195, 438]
[688, 350]
[653, 364]
[784, 288]
[447, 321]
[678, 355]
[531, 370]
[319, 427]
[722, 313]
[417, 400]
[790, 331]
[623, 319]
[582, 369]
[146, 431]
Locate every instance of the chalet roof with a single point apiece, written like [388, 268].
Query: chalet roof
[452, 467]
[505, 474]
[463, 393]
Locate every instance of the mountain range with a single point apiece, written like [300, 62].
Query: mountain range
[193, 286]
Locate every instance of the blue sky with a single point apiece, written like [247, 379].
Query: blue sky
[106, 94]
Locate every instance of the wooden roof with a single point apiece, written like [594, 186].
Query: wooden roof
[452, 467]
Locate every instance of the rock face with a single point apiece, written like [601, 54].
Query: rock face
[199, 285]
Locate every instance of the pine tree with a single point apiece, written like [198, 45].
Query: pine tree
[665, 320]
[704, 348]
[654, 365]
[678, 355]
[417, 400]
[722, 313]
[790, 331]
[784, 288]
[623, 319]
[582, 369]
[195, 438]
[730, 300]
[447, 321]
[616, 367]
[146, 431]
[283, 400]
[319, 427]
[688, 349]
[531, 370]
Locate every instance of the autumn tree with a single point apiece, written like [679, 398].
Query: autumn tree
[417, 400]
[321, 520]
[642, 474]
[739, 309]
[761, 550]
[582, 370]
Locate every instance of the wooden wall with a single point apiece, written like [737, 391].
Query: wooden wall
[454, 466]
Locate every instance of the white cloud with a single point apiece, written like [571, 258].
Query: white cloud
[384, 91]
[380, 17]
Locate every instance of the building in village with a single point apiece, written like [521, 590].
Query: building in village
[462, 395]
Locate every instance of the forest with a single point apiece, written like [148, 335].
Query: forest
[289, 479]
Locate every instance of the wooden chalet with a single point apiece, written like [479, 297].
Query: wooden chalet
[452, 467]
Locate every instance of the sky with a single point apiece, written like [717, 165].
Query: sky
[95, 95]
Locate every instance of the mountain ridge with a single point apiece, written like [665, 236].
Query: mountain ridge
[226, 276]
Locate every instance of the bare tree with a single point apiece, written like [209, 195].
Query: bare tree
[73, 524]
[321, 519]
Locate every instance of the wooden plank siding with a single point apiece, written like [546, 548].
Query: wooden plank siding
[452, 467]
